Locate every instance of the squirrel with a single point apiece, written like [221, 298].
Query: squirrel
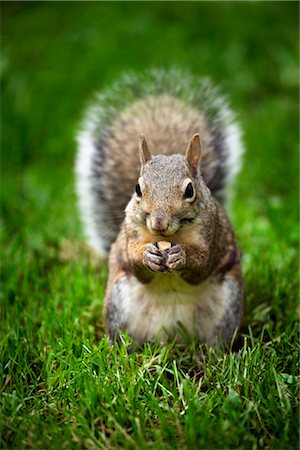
[156, 156]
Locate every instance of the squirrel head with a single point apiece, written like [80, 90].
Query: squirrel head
[169, 191]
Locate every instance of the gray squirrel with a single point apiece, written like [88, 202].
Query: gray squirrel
[157, 155]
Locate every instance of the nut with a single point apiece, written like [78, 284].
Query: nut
[163, 245]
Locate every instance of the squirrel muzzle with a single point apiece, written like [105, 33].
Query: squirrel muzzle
[158, 222]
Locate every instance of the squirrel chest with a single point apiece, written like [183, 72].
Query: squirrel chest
[169, 307]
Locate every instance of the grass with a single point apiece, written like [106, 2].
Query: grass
[61, 385]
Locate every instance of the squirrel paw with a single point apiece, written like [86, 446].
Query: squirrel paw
[176, 257]
[154, 259]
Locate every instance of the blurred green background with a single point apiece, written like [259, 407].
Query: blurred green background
[54, 56]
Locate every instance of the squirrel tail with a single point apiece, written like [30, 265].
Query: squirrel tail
[105, 184]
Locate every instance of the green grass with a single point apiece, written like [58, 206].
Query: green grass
[61, 385]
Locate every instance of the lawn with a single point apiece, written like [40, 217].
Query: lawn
[62, 386]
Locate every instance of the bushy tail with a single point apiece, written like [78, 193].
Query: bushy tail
[106, 172]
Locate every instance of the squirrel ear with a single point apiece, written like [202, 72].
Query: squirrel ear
[193, 153]
[145, 154]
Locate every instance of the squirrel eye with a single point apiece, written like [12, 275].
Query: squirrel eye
[189, 191]
[138, 190]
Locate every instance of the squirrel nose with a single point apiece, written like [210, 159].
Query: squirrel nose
[159, 223]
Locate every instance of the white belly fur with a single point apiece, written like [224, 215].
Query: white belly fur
[155, 309]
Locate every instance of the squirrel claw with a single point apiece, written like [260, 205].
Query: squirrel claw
[176, 258]
[170, 259]
[153, 259]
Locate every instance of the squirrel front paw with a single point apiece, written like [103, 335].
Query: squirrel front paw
[164, 261]
[175, 257]
[153, 259]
